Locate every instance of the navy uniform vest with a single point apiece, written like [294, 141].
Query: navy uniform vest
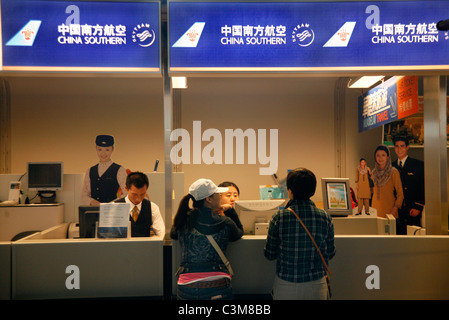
[104, 188]
[142, 227]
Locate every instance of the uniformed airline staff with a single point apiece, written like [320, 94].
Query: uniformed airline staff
[412, 177]
[105, 181]
[145, 215]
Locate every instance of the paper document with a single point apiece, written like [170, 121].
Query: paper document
[114, 215]
[114, 220]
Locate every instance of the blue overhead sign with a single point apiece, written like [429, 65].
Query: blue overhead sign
[392, 100]
[39, 35]
[307, 36]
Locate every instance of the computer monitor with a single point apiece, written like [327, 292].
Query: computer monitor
[336, 196]
[255, 215]
[88, 218]
[45, 176]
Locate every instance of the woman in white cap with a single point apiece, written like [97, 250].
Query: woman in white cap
[202, 273]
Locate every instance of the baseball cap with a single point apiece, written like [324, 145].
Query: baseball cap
[203, 188]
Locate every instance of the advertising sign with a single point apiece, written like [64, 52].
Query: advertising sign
[307, 36]
[392, 100]
[39, 35]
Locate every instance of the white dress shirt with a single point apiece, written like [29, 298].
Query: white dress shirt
[158, 226]
[403, 161]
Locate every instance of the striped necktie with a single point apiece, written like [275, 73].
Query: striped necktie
[135, 214]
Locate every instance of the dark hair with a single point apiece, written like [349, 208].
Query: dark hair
[137, 179]
[302, 183]
[184, 216]
[400, 138]
[383, 148]
[229, 184]
[362, 159]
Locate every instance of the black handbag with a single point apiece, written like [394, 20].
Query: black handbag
[371, 183]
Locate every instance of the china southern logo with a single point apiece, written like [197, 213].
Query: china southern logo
[26, 35]
[303, 35]
[191, 37]
[143, 35]
[342, 36]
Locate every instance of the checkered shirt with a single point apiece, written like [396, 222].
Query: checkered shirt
[288, 242]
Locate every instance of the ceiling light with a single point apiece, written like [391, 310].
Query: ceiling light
[179, 82]
[364, 82]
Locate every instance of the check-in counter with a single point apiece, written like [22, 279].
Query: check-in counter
[369, 267]
[47, 265]
[408, 267]
[29, 217]
[366, 225]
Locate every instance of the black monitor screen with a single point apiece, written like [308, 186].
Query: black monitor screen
[88, 218]
[44, 176]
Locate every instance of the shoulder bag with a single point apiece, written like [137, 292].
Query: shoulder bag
[220, 253]
[328, 272]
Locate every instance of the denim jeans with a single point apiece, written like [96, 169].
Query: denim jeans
[312, 290]
[218, 293]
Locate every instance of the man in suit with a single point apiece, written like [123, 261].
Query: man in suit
[145, 215]
[412, 177]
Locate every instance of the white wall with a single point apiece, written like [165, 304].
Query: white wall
[302, 109]
[358, 144]
[57, 118]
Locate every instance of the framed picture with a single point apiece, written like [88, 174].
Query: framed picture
[336, 196]
[411, 127]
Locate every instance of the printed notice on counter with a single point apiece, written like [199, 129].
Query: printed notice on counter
[114, 220]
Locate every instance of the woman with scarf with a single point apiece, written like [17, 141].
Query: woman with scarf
[388, 194]
[362, 179]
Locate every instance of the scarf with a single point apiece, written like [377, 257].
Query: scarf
[362, 170]
[381, 176]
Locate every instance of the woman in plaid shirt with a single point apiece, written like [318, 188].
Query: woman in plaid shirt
[300, 273]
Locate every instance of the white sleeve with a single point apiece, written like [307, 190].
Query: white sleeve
[158, 222]
[121, 179]
[85, 193]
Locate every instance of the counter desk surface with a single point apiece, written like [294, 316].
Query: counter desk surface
[46, 265]
[29, 217]
[365, 267]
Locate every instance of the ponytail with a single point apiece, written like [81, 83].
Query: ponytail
[183, 218]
